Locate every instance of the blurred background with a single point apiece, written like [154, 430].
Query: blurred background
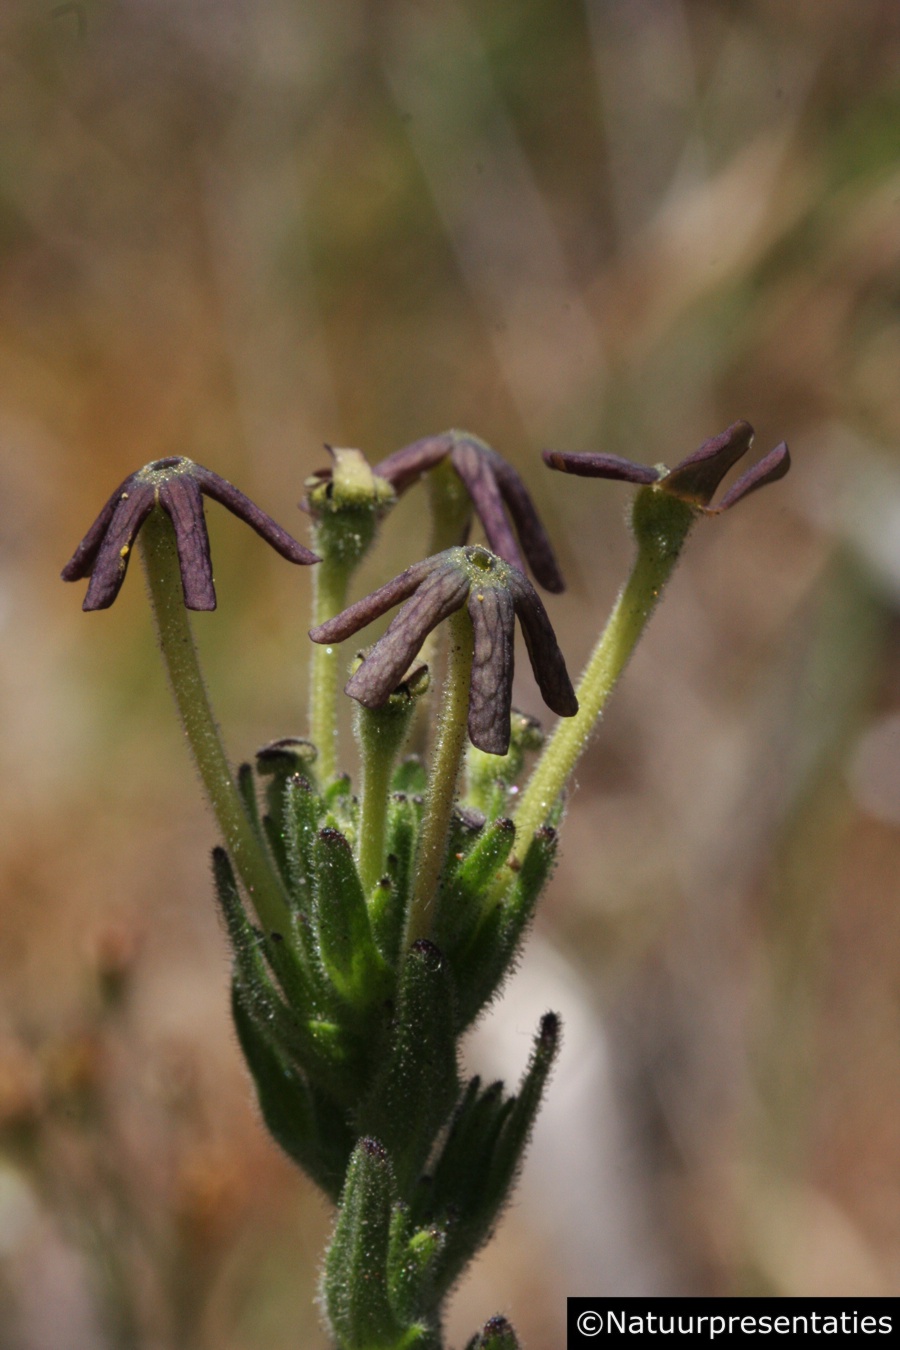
[238, 230]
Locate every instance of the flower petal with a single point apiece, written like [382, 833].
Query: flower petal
[492, 612]
[475, 469]
[404, 467]
[114, 553]
[590, 465]
[181, 500]
[222, 491]
[492, 484]
[696, 478]
[770, 468]
[81, 563]
[371, 607]
[547, 661]
[532, 536]
[439, 595]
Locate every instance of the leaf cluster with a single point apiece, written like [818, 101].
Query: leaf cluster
[352, 1035]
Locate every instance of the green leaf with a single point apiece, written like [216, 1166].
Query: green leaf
[412, 1261]
[411, 776]
[466, 827]
[341, 809]
[329, 1055]
[309, 1127]
[414, 1093]
[484, 1154]
[355, 1283]
[489, 777]
[481, 965]
[462, 896]
[247, 944]
[343, 932]
[497, 1334]
[387, 915]
[269, 831]
[519, 1122]
[338, 795]
[277, 845]
[288, 967]
[404, 819]
[303, 810]
[280, 760]
[460, 1174]
[247, 787]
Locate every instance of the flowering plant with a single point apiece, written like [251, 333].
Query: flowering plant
[369, 929]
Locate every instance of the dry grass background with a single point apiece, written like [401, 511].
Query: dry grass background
[237, 230]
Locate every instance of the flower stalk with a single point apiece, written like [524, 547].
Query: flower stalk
[176, 641]
[346, 503]
[330, 581]
[661, 524]
[380, 733]
[450, 743]
[666, 505]
[450, 508]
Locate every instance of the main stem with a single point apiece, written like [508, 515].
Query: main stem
[661, 526]
[444, 774]
[180, 655]
[330, 581]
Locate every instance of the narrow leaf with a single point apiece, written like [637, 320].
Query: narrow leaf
[472, 1228]
[355, 1280]
[462, 896]
[497, 1334]
[311, 1129]
[344, 936]
[415, 1092]
[412, 1260]
[483, 963]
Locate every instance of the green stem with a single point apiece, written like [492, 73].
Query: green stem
[451, 510]
[445, 764]
[661, 524]
[180, 655]
[451, 507]
[330, 581]
[380, 734]
[346, 509]
[376, 784]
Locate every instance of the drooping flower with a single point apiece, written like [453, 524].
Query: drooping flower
[494, 592]
[696, 478]
[496, 490]
[178, 486]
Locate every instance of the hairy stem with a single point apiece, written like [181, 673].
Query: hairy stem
[379, 735]
[330, 581]
[661, 524]
[451, 510]
[451, 507]
[376, 784]
[179, 653]
[445, 765]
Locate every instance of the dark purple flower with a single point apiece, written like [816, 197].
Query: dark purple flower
[178, 486]
[494, 592]
[496, 490]
[696, 479]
